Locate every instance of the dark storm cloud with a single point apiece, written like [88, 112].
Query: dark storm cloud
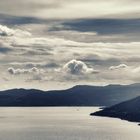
[101, 26]
[4, 50]
[18, 20]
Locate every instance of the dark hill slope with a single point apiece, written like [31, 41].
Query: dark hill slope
[129, 110]
[77, 96]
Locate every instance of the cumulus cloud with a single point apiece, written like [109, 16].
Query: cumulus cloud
[122, 73]
[14, 71]
[7, 32]
[125, 70]
[77, 67]
[119, 67]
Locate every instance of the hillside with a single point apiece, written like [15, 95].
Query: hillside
[129, 110]
[77, 96]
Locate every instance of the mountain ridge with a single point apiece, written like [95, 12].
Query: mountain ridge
[80, 95]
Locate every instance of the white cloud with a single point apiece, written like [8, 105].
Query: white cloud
[119, 67]
[23, 71]
[7, 32]
[77, 67]
[122, 73]
[136, 70]
[72, 9]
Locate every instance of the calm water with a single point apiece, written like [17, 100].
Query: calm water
[63, 123]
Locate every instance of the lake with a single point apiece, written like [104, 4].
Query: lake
[62, 123]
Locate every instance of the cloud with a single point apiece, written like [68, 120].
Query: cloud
[32, 51]
[7, 32]
[77, 67]
[119, 67]
[100, 26]
[5, 48]
[36, 64]
[13, 71]
[36, 77]
[122, 74]
[136, 70]
[75, 8]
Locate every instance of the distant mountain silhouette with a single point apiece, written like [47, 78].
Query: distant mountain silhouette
[128, 110]
[81, 95]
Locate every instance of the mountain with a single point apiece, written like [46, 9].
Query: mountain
[128, 110]
[81, 95]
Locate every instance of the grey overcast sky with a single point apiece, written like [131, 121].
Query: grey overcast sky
[56, 44]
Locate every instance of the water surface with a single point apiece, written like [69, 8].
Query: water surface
[62, 123]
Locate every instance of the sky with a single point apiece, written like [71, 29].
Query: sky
[57, 44]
